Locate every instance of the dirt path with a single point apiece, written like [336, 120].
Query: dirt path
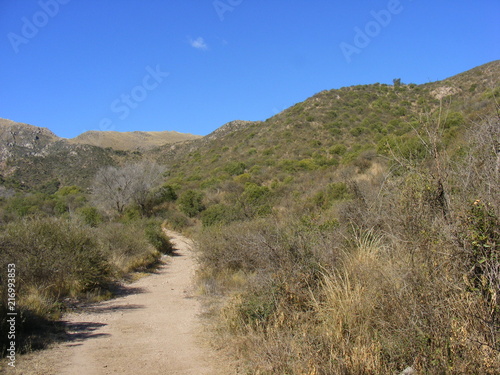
[156, 329]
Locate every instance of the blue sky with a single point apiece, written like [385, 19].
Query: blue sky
[193, 65]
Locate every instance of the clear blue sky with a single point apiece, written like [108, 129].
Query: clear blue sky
[193, 65]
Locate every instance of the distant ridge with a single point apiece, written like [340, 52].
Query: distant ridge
[16, 132]
[19, 133]
[130, 141]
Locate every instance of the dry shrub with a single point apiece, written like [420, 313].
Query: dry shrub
[56, 255]
[127, 247]
[55, 258]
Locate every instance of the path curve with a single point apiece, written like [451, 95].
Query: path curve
[155, 330]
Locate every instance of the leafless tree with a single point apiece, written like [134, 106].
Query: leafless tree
[116, 187]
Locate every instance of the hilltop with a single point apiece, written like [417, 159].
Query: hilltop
[131, 141]
[334, 126]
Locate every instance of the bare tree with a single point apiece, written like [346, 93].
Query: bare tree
[116, 187]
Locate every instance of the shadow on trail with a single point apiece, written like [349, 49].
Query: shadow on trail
[109, 309]
[77, 332]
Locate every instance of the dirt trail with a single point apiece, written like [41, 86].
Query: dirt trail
[156, 329]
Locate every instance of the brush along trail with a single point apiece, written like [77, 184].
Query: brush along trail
[154, 329]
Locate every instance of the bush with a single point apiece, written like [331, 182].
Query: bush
[256, 200]
[481, 238]
[157, 238]
[333, 192]
[90, 216]
[177, 220]
[338, 149]
[167, 193]
[235, 168]
[219, 214]
[56, 257]
[127, 246]
[190, 203]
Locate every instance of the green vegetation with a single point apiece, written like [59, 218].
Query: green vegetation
[190, 203]
[65, 249]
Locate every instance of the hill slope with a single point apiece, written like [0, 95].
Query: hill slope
[335, 127]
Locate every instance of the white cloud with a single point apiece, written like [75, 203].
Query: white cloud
[198, 43]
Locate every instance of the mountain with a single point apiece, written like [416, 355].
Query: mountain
[353, 232]
[33, 157]
[137, 140]
[340, 126]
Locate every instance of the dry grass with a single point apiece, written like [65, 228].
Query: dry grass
[131, 140]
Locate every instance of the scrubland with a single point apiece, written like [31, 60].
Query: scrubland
[353, 233]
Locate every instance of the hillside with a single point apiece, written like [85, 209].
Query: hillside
[131, 141]
[355, 232]
[333, 127]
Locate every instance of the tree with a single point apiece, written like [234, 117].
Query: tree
[116, 187]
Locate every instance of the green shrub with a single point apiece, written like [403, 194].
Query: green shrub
[126, 246]
[333, 192]
[69, 190]
[219, 214]
[338, 149]
[235, 168]
[191, 203]
[454, 119]
[157, 238]
[90, 216]
[177, 220]
[58, 256]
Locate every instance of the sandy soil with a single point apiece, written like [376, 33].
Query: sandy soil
[155, 329]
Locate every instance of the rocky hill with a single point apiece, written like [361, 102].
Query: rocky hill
[33, 157]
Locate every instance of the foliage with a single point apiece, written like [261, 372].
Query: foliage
[220, 214]
[334, 236]
[157, 238]
[167, 193]
[235, 168]
[57, 256]
[191, 202]
[90, 216]
[481, 238]
[333, 192]
[387, 271]
[177, 220]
